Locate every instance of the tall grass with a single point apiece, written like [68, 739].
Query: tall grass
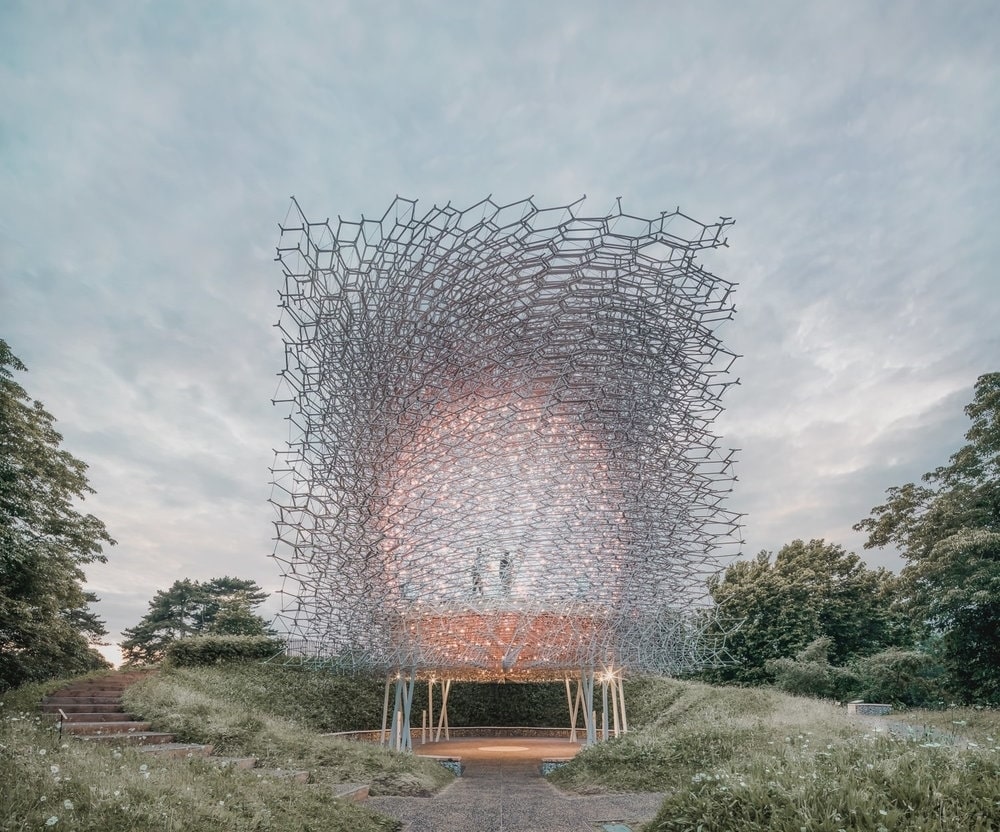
[976, 724]
[227, 708]
[48, 783]
[755, 759]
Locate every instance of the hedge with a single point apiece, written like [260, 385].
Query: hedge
[202, 650]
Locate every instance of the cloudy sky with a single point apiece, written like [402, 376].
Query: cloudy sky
[148, 151]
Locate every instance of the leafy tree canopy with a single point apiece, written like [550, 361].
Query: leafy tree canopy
[807, 591]
[45, 622]
[221, 606]
[948, 528]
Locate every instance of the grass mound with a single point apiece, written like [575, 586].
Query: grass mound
[252, 709]
[48, 783]
[756, 759]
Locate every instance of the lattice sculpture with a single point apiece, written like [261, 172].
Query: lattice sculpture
[501, 463]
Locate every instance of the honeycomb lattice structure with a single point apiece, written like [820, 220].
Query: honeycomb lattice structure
[500, 463]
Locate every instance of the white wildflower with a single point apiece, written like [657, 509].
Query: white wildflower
[54, 769]
[52, 821]
[68, 805]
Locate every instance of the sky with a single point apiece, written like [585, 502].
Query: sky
[148, 151]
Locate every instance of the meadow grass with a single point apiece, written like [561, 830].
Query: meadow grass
[53, 783]
[239, 711]
[730, 759]
[976, 724]
[756, 759]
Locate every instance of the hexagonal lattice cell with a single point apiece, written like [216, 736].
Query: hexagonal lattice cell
[500, 463]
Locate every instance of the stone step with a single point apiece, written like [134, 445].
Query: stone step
[81, 708]
[284, 774]
[353, 792]
[90, 690]
[234, 762]
[89, 716]
[126, 727]
[59, 701]
[131, 738]
[176, 750]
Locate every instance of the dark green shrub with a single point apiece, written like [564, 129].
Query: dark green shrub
[202, 650]
[811, 674]
[903, 677]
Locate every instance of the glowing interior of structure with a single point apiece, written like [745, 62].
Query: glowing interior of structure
[495, 500]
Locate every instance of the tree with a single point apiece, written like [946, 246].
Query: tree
[808, 591]
[948, 529]
[45, 622]
[811, 674]
[222, 606]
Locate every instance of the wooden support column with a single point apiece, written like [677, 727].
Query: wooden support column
[443, 718]
[385, 710]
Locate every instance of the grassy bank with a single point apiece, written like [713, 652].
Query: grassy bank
[324, 701]
[72, 785]
[727, 758]
[256, 710]
[756, 759]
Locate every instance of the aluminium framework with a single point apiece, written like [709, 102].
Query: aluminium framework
[501, 463]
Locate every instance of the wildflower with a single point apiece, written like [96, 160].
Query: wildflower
[41, 752]
[68, 805]
[143, 767]
[54, 769]
[52, 821]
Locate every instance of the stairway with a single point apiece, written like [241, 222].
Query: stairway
[92, 711]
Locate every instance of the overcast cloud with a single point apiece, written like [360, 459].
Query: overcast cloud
[148, 151]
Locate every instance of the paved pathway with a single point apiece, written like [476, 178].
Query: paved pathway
[501, 790]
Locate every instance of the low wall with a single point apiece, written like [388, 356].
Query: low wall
[869, 708]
